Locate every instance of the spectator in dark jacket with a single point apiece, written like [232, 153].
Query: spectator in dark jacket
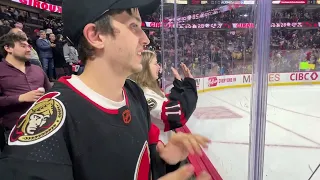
[45, 54]
[60, 63]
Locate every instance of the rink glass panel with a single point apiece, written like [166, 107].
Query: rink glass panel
[292, 129]
[214, 51]
[292, 140]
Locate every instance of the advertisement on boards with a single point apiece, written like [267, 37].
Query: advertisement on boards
[199, 83]
[214, 81]
[304, 76]
[272, 78]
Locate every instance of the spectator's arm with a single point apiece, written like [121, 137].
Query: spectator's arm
[42, 45]
[66, 52]
[46, 84]
[76, 52]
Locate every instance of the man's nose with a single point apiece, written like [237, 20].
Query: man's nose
[144, 39]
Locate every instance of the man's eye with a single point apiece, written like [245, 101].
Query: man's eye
[134, 25]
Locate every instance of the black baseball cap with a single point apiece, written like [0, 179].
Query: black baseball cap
[76, 14]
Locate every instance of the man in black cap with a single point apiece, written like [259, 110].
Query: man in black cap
[97, 125]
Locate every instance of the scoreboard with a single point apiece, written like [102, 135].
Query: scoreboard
[231, 2]
[290, 2]
[220, 2]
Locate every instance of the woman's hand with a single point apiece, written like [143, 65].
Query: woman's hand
[175, 73]
[186, 72]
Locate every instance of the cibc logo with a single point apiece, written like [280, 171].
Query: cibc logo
[300, 76]
[212, 81]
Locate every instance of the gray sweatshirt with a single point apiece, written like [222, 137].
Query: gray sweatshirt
[70, 54]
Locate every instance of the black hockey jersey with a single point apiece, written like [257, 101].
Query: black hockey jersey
[67, 135]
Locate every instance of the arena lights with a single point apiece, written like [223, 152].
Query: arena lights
[289, 2]
[218, 2]
[231, 25]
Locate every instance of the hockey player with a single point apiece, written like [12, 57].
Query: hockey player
[97, 125]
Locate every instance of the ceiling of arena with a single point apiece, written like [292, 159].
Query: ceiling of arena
[55, 2]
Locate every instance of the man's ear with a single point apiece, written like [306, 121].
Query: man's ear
[92, 36]
[8, 49]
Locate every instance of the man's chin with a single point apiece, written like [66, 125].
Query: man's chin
[23, 58]
[137, 69]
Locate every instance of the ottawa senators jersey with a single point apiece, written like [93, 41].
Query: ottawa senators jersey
[73, 133]
[173, 111]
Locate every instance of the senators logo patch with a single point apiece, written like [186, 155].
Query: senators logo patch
[42, 120]
[151, 103]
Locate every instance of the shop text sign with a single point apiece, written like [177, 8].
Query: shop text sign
[41, 5]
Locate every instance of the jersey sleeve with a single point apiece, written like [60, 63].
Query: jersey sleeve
[176, 109]
[37, 147]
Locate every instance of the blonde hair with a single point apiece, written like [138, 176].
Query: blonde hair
[144, 78]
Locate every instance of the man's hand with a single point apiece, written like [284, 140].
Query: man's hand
[31, 96]
[180, 146]
[185, 173]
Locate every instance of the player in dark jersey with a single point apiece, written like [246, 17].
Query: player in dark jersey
[97, 125]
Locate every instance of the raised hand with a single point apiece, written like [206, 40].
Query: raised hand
[175, 73]
[186, 71]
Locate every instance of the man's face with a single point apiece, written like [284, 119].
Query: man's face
[124, 50]
[20, 51]
[43, 35]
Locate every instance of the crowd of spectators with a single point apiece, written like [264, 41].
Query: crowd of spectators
[206, 51]
[230, 52]
[215, 52]
[236, 14]
[9, 16]
[56, 55]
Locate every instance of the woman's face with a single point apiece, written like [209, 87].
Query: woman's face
[154, 68]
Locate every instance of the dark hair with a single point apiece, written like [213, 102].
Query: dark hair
[59, 36]
[103, 25]
[9, 40]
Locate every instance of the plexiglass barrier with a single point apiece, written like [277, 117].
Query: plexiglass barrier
[219, 44]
